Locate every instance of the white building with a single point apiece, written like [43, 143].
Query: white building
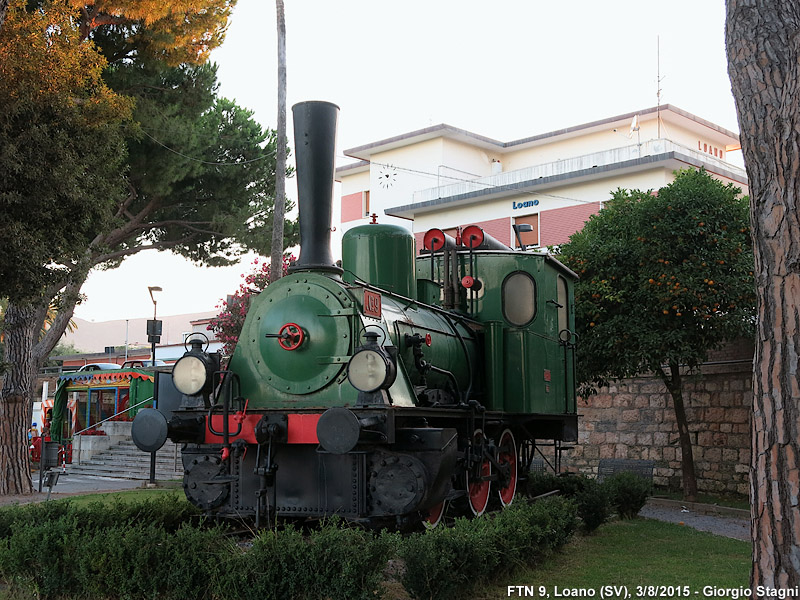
[93, 338]
[446, 177]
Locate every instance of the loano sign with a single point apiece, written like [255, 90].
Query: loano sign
[526, 204]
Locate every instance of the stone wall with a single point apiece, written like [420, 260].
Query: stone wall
[634, 418]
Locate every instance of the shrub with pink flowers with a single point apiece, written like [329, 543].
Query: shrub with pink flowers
[227, 325]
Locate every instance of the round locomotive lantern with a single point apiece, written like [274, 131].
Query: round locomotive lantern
[193, 372]
[371, 367]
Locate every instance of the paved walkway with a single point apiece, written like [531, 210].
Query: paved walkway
[722, 521]
[73, 485]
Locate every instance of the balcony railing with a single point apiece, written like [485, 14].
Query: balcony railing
[571, 165]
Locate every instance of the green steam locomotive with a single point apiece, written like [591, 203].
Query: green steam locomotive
[385, 390]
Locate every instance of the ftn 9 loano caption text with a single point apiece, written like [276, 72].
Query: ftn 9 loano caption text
[642, 592]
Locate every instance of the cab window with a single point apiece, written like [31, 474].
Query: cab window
[519, 298]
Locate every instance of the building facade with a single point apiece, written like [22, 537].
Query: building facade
[128, 338]
[446, 177]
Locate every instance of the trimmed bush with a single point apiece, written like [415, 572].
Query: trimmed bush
[594, 504]
[592, 498]
[335, 562]
[448, 562]
[166, 511]
[57, 551]
[32, 557]
[60, 560]
[124, 550]
[628, 493]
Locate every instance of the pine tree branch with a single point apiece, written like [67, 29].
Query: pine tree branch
[45, 345]
[165, 245]
[190, 225]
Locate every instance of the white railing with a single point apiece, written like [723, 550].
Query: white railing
[78, 435]
[570, 165]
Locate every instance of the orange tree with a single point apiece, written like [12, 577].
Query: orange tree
[665, 277]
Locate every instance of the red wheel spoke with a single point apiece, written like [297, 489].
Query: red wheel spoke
[478, 490]
[435, 515]
[507, 455]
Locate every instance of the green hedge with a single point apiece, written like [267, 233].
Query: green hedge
[333, 562]
[448, 562]
[628, 493]
[165, 511]
[157, 549]
[624, 493]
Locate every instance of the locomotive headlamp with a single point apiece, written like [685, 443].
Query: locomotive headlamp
[189, 374]
[371, 367]
[194, 370]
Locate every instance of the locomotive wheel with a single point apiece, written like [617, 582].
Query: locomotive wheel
[435, 515]
[479, 491]
[507, 454]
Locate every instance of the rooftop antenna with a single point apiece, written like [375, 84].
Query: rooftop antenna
[658, 84]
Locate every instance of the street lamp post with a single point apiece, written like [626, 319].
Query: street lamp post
[154, 326]
[153, 336]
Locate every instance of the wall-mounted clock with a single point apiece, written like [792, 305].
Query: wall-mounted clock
[387, 176]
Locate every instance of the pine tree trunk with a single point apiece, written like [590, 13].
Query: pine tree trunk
[763, 51]
[276, 251]
[674, 384]
[21, 330]
[3, 10]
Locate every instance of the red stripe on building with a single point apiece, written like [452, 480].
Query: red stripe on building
[419, 237]
[499, 229]
[558, 224]
[352, 207]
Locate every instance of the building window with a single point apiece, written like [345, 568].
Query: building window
[365, 200]
[529, 238]
[519, 298]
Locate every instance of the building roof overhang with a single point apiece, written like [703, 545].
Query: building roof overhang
[668, 113]
[672, 160]
[351, 169]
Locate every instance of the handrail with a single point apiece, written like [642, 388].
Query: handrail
[78, 434]
[528, 175]
[112, 416]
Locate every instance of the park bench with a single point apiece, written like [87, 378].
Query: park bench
[608, 467]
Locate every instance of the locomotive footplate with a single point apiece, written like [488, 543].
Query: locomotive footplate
[369, 481]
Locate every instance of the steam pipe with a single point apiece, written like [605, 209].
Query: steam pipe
[475, 238]
[315, 144]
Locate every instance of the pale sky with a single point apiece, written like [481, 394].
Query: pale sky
[506, 70]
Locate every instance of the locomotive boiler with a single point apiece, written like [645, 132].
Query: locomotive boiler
[384, 390]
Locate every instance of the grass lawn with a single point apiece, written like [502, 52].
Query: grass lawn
[638, 552]
[137, 495]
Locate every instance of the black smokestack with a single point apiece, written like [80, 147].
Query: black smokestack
[315, 144]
